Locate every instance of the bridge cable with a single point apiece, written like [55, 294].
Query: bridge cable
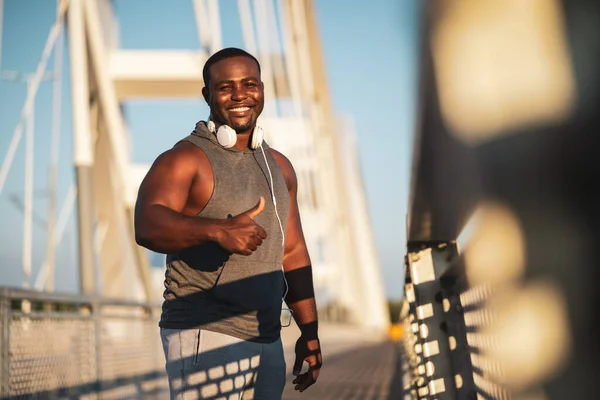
[31, 93]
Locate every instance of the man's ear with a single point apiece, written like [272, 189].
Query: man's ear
[206, 95]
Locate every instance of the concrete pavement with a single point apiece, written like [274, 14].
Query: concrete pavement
[357, 365]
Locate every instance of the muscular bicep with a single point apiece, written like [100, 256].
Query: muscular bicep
[296, 252]
[169, 180]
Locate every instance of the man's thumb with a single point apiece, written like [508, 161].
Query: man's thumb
[297, 365]
[257, 209]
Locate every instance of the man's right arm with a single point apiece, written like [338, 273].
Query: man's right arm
[163, 224]
[160, 224]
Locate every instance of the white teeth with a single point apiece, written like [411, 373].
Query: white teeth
[239, 109]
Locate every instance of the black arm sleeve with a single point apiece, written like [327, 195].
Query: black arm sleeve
[300, 284]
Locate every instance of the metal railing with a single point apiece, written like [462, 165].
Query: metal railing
[446, 356]
[71, 346]
[513, 313]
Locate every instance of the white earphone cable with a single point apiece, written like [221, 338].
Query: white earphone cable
[212, 128]
[276, 213]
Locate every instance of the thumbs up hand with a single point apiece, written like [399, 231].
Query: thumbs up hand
[241, 235]
[257, 209]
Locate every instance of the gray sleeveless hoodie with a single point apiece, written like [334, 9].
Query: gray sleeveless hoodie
[208, 288]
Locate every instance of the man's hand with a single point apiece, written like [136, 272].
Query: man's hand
[309, 351]
[241, 235]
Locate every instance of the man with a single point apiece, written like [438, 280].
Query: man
[223, 206]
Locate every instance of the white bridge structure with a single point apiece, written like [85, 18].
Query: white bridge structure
[298, 120]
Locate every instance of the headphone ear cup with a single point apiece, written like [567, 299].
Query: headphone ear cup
[211, 126]
[226, 136]
[257, 137]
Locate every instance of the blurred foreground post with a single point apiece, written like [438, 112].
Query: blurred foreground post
[501, 276]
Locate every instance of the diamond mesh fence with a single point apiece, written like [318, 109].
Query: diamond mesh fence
[73, 347]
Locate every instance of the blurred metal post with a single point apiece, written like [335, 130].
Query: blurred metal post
[54, 153]
[97, 318]
[216, 41]
[4, 347]
[507, 123]
[437, 372]
[452, 283]
[202, 24]
[82, 145]
[1, 25]
[28, 220]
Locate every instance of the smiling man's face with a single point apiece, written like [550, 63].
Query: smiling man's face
[235, 93]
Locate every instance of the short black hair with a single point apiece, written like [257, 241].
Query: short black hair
[223, 54]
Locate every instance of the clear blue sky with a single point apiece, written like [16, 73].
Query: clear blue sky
[370, 54]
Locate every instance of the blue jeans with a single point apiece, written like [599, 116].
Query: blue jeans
[207, 365]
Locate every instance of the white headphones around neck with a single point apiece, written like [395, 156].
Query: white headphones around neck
[227, 137]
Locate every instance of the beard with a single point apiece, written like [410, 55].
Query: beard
[242, 126]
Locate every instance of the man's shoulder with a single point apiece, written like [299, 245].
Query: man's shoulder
[281, 158]
[286, 167]
[183, 153]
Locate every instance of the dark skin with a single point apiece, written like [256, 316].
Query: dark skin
[180, 182]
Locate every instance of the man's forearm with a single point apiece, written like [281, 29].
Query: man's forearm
[301, 299]
[163, 230]
[305, 311]
[305, 315]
